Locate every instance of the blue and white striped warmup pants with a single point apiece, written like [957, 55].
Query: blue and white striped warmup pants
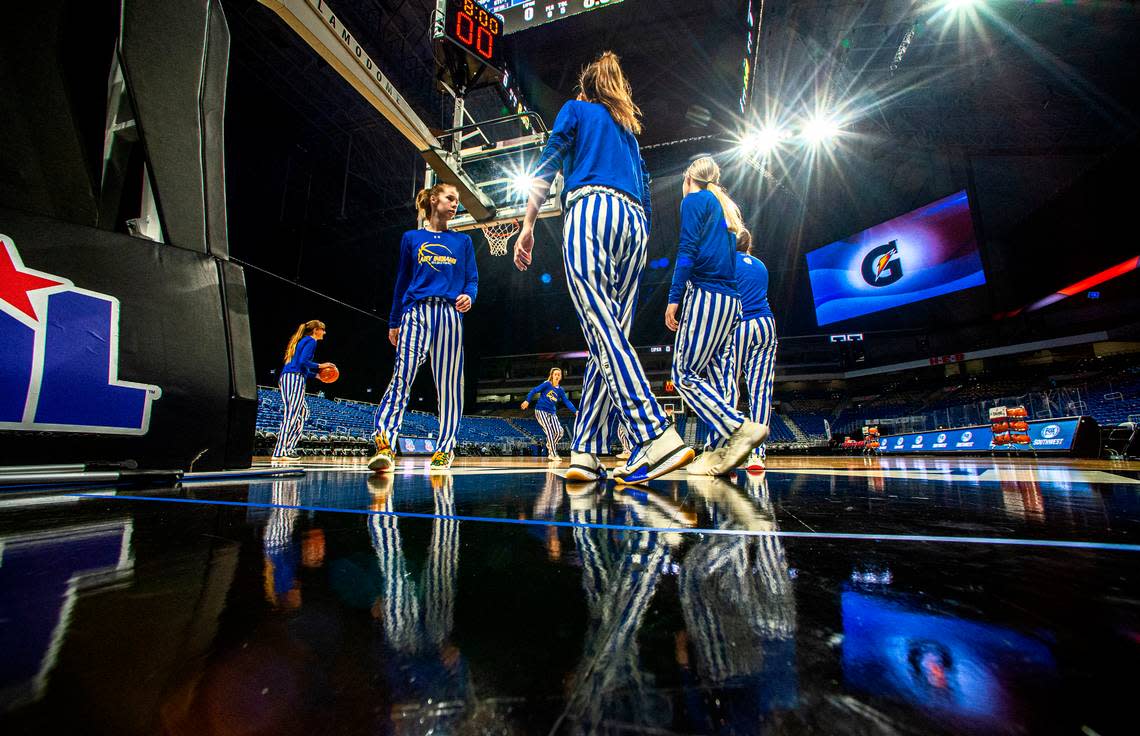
[604, 237]
[552, 427]
[430, 327]
[753, 353]
[292, 387]
[707, 320]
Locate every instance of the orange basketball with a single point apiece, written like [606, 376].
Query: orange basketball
[328, 374]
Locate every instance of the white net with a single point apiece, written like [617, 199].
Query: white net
[499, 235]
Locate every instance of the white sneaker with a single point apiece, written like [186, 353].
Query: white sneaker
[656, 458]
[754, 463]
[623, 455]
[584, 468]
[705, 463]
[747, 437]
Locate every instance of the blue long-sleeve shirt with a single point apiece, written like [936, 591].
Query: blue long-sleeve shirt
[752, 282]
[302, 361]
[705, 254]
[590, 148]
[548, 397]
[433, 264]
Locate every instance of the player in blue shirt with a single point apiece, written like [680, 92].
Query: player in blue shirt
[549, 393]
[754, 342]
[299, 368]
[705, 278]
[607, 215]
[436, 283]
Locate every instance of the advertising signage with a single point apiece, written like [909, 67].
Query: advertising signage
[1045, 435]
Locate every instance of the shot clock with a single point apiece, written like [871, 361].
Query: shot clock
[475, 29]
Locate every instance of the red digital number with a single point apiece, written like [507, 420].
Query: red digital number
[482, 35]
[470, 28]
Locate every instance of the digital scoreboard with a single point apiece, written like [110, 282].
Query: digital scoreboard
[474, 28]
[519, 15]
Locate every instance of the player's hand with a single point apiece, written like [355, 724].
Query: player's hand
[524, 405]
[322, 366]
[671, 317]
[463, 303]
[524, 245]
[394, 336]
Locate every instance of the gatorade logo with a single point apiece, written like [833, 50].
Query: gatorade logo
[881, 266]
[59, 367]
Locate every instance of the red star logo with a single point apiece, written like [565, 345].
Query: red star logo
[15, 283]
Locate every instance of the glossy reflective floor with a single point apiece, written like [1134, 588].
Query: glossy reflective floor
[849, 596]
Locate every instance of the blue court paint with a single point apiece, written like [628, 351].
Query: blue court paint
[1002, 541]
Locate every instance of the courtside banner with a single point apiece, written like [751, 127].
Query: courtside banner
[923, 254]
[1045, 435]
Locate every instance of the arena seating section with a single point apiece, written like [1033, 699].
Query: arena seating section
[1110, 393]
[344, 428]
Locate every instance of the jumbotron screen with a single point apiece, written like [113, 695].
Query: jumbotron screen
[519, 15]
[923, 254]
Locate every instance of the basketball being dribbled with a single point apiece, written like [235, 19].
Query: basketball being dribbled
[329, 373]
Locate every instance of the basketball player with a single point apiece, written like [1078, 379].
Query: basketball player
[299, 367]
[754, 343]
[705, 275]
[436, 283]
[549, 393]
[607, 216]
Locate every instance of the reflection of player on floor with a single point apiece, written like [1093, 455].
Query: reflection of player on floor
[299, 367]
[706, 274]
[549, 393]
[436, 283]
[607, 219]
[753, 349]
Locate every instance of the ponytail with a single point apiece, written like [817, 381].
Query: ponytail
[423, 199]
[305, 328]
[603, 81]
[705, 172]
[744, 241]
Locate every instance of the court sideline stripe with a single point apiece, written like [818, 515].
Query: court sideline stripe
[1006, 541]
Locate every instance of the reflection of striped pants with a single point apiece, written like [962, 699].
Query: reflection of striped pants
[753, 353]
[552, 427]
[292, 387]
[429, 327]
[707, 319]
[604, 236]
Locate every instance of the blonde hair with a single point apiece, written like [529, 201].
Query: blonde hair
[550, 376]
[744, 241]
[604, 81]
[704, 171]
[423, 199]
[305, 328]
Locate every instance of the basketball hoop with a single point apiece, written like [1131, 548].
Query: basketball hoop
[499, 235]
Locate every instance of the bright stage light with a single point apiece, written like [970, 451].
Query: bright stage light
[960, 4]
[522, 184]
[820, 129]
[762, 141]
